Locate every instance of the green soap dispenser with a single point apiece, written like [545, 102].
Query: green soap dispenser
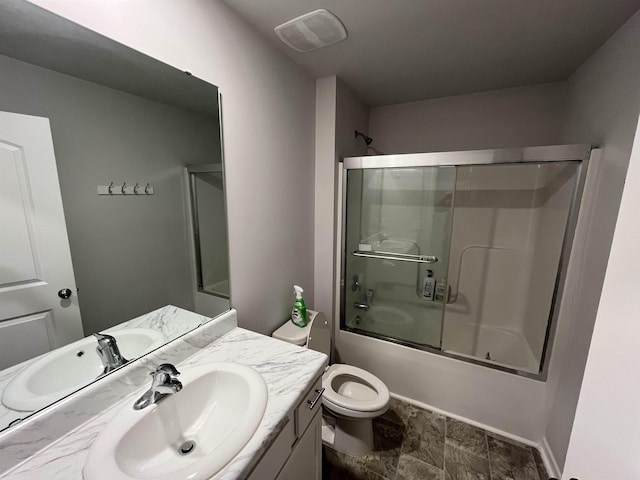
[299, 310]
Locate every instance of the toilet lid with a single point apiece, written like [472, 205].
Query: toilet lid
[320, 334]
[378, 399]
[290, 332]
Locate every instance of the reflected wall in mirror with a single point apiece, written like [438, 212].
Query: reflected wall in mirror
[83, 120]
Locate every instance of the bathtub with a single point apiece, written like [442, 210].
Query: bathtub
[495, 345]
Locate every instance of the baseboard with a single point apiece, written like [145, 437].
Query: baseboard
[543, 447]
[549, 459]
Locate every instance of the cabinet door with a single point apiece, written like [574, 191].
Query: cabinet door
[305, 461]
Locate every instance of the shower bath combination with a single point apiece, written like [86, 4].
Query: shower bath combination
[461, 253]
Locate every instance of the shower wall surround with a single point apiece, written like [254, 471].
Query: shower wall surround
[506, 243]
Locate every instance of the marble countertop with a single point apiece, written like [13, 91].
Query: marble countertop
[170, 320]
[288, 371]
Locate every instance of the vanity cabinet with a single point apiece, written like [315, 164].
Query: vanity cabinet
[305, 460]
[297, 451]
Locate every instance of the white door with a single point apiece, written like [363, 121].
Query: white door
[35, 259]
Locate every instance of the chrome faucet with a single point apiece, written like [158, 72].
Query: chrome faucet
[109, 352]
[163, 384]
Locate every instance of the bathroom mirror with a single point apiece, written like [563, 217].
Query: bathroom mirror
[119, 131]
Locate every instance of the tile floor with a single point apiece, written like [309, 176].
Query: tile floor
[415, 444]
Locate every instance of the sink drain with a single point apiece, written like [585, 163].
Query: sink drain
[187, 447]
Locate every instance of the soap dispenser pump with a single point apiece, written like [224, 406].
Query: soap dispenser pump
[299, 310]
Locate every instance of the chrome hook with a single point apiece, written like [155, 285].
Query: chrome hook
[135, 188]
[110, 189]
[124, 184]
[146, 188]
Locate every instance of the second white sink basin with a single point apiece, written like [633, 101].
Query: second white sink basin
[188, 435]
[64, 370]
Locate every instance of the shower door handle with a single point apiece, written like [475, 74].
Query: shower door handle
[401, 257]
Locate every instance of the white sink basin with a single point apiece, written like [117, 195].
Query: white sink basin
[64, 370]
[219, 408]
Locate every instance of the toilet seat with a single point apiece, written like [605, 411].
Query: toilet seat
[354, 392]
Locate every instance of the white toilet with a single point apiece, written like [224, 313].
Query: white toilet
[352, 397]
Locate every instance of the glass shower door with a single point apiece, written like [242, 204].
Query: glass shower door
[397, 235]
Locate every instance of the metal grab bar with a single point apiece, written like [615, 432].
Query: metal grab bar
[401, 257]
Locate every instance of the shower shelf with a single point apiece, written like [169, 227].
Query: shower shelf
[401, 257]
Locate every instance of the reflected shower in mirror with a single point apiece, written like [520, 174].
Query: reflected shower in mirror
[206, 184]
[95, 139]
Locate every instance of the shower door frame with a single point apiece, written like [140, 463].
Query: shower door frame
[191, 172]
[555, 153]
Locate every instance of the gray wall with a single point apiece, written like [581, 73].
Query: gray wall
[268, 112]
[129, 253]
[512, 117]
[603, 105]
[338, 113]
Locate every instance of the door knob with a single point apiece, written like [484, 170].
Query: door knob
[64, 293]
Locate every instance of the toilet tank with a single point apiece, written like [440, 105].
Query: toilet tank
[316, 335]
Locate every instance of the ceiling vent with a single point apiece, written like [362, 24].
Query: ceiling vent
[311, 31]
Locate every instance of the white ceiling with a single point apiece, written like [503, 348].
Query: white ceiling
[406, 50]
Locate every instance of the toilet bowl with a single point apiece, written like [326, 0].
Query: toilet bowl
[352, 396]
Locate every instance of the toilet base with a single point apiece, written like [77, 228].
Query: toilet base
[352, 437]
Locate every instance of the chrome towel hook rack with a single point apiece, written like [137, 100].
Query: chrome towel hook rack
[125, 189]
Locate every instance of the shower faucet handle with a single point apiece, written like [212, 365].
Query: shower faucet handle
[361, 306]
[355, 283]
